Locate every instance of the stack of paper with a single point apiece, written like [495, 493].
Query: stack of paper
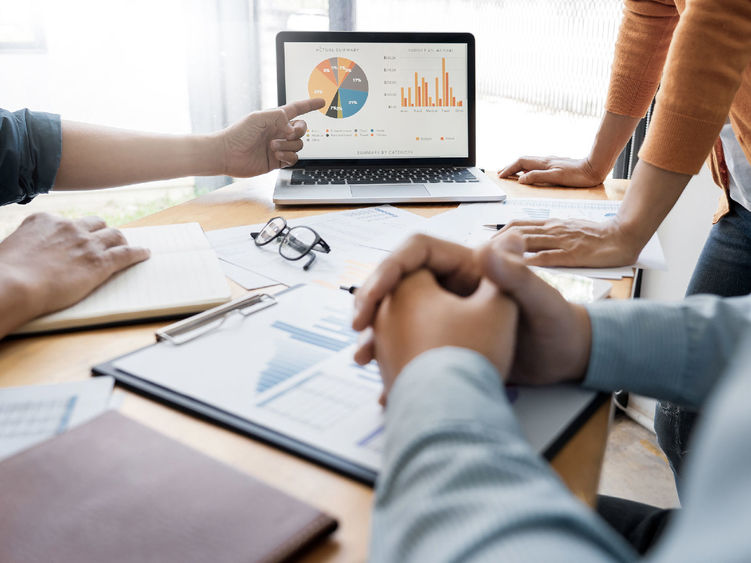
[465, 225]
[359, 239]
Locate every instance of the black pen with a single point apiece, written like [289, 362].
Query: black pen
[496, 227]
[349, 289]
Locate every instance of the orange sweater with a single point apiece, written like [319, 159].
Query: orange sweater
[700, 53]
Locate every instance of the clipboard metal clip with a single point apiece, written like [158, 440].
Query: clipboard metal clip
[197, 325]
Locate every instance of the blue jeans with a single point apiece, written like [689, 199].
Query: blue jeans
[724, 268]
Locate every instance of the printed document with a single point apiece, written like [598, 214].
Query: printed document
[465, 225]
[289, 368]
[29, 415]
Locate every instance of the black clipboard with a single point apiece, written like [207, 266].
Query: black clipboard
[235, 423]
[192, 327]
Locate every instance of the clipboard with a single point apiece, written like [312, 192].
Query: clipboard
[296, 314]
[199, 326]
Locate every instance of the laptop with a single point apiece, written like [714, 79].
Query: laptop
[399, 121]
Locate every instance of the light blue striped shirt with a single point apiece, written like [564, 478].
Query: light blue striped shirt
[459, 482]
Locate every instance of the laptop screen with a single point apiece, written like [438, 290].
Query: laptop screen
[397, 99]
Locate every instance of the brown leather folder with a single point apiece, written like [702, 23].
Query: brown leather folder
[114, 490]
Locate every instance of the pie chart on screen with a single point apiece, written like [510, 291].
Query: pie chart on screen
[342, 83]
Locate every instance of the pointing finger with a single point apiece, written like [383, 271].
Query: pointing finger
[293, 109]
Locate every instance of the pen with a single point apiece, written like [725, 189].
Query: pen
[496, 227]
[349, 289]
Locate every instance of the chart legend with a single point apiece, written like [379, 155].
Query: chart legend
[342, 83]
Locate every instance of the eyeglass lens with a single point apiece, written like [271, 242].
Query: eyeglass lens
[271, 230]
[297, 242]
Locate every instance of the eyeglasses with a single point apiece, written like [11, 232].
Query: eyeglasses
[294, 243]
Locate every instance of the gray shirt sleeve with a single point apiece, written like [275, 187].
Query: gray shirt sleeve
[30, 151]
[671, 351]
[460, 483]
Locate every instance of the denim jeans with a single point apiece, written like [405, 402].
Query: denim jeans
[724, 268]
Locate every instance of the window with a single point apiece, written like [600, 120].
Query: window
[542, 66]
[178, 66]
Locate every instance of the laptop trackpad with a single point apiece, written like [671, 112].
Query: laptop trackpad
[389, 190]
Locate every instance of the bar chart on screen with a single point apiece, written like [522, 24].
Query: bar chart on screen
[425, 95]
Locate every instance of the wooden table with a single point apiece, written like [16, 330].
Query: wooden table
[69, 357]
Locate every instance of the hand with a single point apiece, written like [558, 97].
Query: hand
[554, 336]
[455, 267]
[49, 263]
[265, 140]
[421, 315]
[571, 172]
[576, 243]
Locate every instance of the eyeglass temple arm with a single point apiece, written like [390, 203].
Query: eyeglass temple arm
[324, 245]
[311, 257]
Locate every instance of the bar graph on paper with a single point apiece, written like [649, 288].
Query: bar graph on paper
[329, 334]
[320, 400]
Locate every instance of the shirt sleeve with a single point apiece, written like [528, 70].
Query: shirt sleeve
[671, 351]
[709, 52]
[30, 151]
[460, 483]
[716, 484]
[640, 52]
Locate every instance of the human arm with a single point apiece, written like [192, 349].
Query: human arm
[49, 263]
[451, 437]
[95, 156]
[559, 341]
[641, 48]
[651, 195]
[29, 154]
[460, 483]
[671, 351]
[612, 135]
[709, 52]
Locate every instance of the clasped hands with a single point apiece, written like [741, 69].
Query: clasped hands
[432, 293]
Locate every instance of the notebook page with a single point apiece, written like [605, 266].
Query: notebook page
[182, 275]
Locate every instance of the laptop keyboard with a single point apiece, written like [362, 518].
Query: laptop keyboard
[381, 176]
